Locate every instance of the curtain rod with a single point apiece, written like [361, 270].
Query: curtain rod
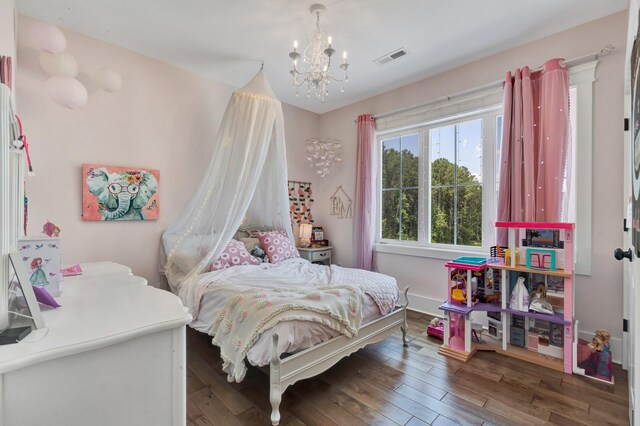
[606, 50]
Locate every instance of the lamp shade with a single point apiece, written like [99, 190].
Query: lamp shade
[48, 37]
[58, 64]
[108, 80]
[67, 91]
[305, 231]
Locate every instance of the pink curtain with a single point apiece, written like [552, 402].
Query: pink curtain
[535, 145]
[364, 214]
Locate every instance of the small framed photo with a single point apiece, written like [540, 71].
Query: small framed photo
[317, 234]
[20, 287]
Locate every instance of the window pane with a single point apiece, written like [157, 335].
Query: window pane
[442, 141]
[410, 214]
[391, 163]
[470, 215]
[442, 215]
[410, 154]
[470, 151]
[391, 214]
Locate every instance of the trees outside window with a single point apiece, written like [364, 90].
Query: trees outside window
[432, 190]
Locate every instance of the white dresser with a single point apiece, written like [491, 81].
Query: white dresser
[113, 354]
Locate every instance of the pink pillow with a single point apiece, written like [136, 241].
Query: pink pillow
[277, 245]
[234, 254]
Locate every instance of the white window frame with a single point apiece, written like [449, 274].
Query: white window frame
[581, 77]
[423, 247]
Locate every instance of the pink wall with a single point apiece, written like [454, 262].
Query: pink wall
[163, 118]
[300, 125]
[426, 276]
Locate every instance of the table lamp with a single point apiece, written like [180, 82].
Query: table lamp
[305, 234]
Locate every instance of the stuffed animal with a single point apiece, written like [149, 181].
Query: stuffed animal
[258, 253]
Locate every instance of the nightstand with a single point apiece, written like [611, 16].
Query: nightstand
[316, 255]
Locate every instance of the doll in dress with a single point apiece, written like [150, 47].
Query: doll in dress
[38, 276]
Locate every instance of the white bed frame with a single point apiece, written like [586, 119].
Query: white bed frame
[319, 358]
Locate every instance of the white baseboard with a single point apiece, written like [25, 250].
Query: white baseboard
[427, 305]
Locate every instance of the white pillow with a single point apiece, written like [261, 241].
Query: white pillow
[250, 243]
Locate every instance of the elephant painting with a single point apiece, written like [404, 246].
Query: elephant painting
[119, 193]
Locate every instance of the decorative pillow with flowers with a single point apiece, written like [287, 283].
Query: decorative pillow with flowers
[233, 255]
[277, 245]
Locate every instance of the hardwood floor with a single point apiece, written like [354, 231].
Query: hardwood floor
[386, 384]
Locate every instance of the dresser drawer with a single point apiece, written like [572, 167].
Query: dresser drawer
[321, 255]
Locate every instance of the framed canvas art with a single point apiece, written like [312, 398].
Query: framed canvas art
[119, 193]
[42, 260]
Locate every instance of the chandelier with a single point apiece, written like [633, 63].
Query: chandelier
[323, 154]
[312, 67]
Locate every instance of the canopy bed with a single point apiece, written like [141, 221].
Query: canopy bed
[299, 318]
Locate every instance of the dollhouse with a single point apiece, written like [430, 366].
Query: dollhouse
[527, 295]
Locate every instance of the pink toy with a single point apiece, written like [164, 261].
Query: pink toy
[70, 271]
[436, 328]
[51, 230]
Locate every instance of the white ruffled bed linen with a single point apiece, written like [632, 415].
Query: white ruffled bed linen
[217, 287]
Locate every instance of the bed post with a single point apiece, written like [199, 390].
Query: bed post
[405, 326]
[275, 392]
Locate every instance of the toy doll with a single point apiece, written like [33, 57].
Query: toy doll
[38, 277]
[50, 229]
[539, 301]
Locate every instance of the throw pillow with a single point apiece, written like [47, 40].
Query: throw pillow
[250, 243]
[277, 245]
[233, 255]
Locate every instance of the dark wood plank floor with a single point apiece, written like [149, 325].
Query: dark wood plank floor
[386, 384]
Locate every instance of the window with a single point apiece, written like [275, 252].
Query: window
[400, 213]
[400, 185]
[432, 191]
[456, 183]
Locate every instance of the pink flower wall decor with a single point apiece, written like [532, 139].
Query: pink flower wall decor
[301, 201]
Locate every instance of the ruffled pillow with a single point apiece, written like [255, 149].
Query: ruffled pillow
[277, 245]
[233, 255]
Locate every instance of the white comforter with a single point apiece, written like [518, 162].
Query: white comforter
[206, 295]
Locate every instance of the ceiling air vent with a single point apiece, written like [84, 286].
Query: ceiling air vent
[390, 56]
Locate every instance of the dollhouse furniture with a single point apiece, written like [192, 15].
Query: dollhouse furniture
[458, 328]
[113, 354]
[540, 338]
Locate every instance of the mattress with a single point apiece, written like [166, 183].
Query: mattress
[293, 335]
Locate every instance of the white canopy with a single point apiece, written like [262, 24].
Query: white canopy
[246, 183]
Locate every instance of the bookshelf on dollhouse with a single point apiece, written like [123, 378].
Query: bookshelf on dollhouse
[538, 253]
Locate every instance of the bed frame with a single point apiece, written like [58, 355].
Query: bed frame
[283, 372]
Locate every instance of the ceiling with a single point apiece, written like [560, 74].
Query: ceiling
[227, 40]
